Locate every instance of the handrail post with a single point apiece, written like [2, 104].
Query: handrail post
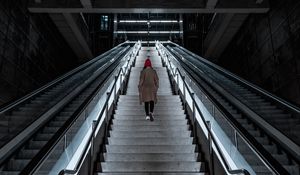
[115, 91]
[213, 112]
[92, 148]
[194, 115]
[184, 93]
[211, 159]
[236, 139]
[65, 141]
[106, 112]
[177, 88]
[121, 84]
[193, 103]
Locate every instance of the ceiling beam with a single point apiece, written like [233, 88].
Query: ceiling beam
[211, 4]
[66, 24]
[222, 32]
[86, 3]
[147, 10]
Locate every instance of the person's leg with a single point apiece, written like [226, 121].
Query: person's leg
[151, 106]
[151, 110]
[147, 110]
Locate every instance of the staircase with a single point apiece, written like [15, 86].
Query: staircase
[138, 146]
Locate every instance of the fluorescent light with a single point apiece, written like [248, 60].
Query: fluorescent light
[145, 32]
[151, 21]
[133, 21]
[163, 21]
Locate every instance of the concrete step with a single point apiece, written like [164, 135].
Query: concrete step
[142, 112]
[157, 118]
[158, 100]
[153, 157]
[140, 173]
[151, 166]
[162, 115]
[156, 108]
[151, 128]
[158, 104]
[152, 149]
[149, 134]
[146, 123]
[151, 141]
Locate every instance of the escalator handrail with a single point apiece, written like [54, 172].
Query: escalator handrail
[291, 151]
[96, 123]
[87, 146]
[212, 136]
[41, 89]
[51, 144]
[245, 82]
[251, 142]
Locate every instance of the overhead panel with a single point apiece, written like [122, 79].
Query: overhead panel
[149, 6]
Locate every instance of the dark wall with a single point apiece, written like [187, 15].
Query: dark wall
[195, 27]
[32, 51]
[102, 35]
[266, 51]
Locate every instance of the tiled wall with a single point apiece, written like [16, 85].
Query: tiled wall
[32, 51]
[266, 51]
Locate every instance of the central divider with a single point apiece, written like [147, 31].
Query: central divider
[136, 145]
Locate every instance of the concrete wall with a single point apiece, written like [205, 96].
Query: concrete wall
[32, 51]
[266, 51]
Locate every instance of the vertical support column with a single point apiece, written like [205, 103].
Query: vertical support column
[115, 29]
[181, 28]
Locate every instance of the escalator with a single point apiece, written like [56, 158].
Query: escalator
[272, 125]
[40, 118]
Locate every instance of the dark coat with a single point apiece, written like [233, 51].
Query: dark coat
[148, 85]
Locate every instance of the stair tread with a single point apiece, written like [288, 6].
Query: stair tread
[151, 166]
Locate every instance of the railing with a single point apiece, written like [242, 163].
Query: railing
[260, 152]
[280, 136]
[103, 116]
[61, 139]
[18, 132]
[189, 96]
[248, 84]
[34, 93]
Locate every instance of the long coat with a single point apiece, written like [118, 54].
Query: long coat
[148, 85]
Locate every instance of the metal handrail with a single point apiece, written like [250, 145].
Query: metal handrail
[245, 82]
[48, 148]
[95, 123]
[212, 137]
[39, 90]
